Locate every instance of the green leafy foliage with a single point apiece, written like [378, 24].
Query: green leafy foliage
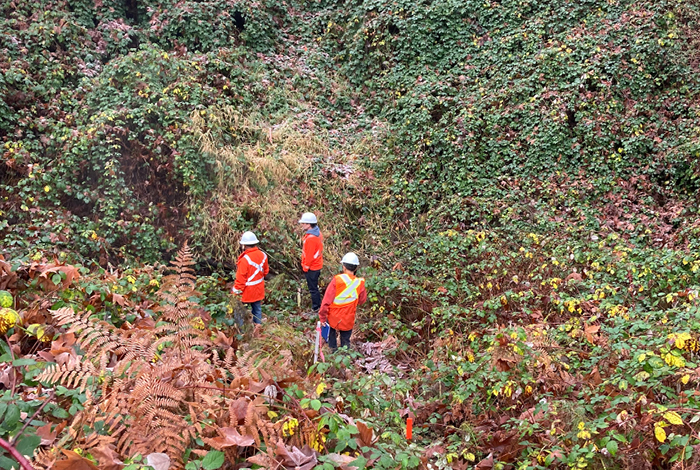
[493, 98]
[520, 180]
[209, 26]
[213, 460]
[97, 140]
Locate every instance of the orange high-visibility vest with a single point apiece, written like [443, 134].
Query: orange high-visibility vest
[312, 253]
[341, 313]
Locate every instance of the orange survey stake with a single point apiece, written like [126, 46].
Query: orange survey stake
[409, 428]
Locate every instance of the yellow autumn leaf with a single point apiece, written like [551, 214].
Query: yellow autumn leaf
[673, 418]
[642, 375]
[8, 319]
[673, 360]
[685, 379]
[289, 427]
[680, 339]
[197, 323]
[320, 388]
[508, 389]
[40, 333]
[659, 433]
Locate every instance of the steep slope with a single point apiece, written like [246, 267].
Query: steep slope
[520, 179]
[105, 105]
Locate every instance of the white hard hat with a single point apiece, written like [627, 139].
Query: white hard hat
[350, 258]
[308, 218]
[249, 238]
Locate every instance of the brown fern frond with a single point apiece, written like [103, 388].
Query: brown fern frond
[196, 340]
[69, 375]
[184, 338]
[255, 419]
[286, 365]
[45, 458]
[139, 354]
[125, 443]
[66, 315]
[194, 416]
[169, 434]
[97, 440]
[245, 364]
[184, 259]
[264, 374]
[543, 343]
[117, 423]
[172, 442]
[157, 388]
[129, 368]
[150, 385]
[178, 312]
[93, 339]
[98, 337]
[168, 297]
[230, 359]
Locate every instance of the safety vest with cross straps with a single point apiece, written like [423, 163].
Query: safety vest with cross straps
[258, 270]
[349, 294]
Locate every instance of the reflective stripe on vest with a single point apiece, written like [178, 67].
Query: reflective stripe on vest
[349, 294]
[258, 269]
[317, 254]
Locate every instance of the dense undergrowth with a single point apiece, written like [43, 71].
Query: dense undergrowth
[520, 179]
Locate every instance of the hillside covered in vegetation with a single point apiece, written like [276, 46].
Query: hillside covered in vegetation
[519, 178]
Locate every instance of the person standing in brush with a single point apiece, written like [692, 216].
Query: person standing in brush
[251, 270]
[312, 258]
[339, 306]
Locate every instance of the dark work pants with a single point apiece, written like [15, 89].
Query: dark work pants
[312, 283]
[344, 338]
[256, 309]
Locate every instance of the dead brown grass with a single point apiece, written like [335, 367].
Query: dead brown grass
[267, 174]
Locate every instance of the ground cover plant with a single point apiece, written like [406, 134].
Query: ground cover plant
[519, 178]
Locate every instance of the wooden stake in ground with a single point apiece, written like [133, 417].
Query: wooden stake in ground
[318, 341]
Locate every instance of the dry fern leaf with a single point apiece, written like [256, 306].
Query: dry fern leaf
[45, 458]
[245, 366]
[230, 359]
[69, 375]
[256, 420]
[150, 400]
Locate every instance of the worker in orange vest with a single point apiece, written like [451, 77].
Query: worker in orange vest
[312, 258]
[251, 270]
[344, 293]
